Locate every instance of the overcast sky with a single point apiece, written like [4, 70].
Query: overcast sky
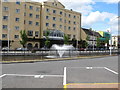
[99, 15]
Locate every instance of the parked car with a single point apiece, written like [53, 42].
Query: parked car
[5, 48]
[89, 49]
[82, 49]
[21, 49]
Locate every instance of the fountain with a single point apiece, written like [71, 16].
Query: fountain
[61, 49]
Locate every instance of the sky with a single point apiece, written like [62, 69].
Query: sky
[100, 15]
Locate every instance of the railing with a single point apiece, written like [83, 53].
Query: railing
[41, 54]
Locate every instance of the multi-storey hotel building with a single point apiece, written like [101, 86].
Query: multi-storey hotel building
[35, 17]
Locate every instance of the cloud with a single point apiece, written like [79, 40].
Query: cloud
[101, 17]
[109, 1]
[96, 16]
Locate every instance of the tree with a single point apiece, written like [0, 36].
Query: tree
[66, 39]
[24, 38]
[98, 42]
[74, 42]
[47, 41]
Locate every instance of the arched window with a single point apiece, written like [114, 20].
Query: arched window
[29, 46]
[36, 45]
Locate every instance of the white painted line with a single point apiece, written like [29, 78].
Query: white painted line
[87, 67]
[20, 75]
[2, 75]
[64, 78]
[35, 76]
[111, 70]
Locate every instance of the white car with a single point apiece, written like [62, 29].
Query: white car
[22, 49]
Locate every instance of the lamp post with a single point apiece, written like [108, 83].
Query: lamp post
[110, 41]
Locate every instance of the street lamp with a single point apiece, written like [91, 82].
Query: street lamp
[110, 42]
[8, 30]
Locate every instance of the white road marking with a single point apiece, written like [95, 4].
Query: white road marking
[35, 76]
[2, 75]
[111, 70]
[87, 67]
[64, 78]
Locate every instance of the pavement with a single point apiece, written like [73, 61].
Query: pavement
[56, 74]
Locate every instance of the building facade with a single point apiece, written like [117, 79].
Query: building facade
[90, 36]
[115, 42]
[35, 17]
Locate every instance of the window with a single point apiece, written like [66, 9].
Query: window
[69, 22]
[37, 16]
[37, 9]
[64, 27]
[5, 0]
[37, 23]
[69, 28]
[74, 36]
[25, 5]
[17, 10]
[5, 8]
[64, 21]
[74, 16]
[74, 22]
[30, 22]
[17, 27]
[36, 33]
[24, 21]
[47, 24]
[74, 28]
[60, 19]
[54, 25]
[16, 36]
[24, 13]
[54, 18]
[5, 27]
[54, 11]
[31, 7]
[60, 26]
[30, 15]
[18, 2]
[30, 33]
[65, 14]
[47, 17]
[60, 12]
[53, 4]
[4, 35]
[17, 19]
[5, 17]
[69, 15]
[47, 10]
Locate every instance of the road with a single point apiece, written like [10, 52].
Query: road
[104, 70]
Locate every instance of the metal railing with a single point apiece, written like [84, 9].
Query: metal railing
[41, 54]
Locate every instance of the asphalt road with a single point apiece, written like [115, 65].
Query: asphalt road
[105, 70]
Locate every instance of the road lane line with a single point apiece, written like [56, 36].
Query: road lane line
[36, 76]
[2, 75]
[111, 70]
[64, 78]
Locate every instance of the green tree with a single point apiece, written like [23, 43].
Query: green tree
[47, 41]
[74, 42]
[66, 39]
[98, 42]
[24, 38]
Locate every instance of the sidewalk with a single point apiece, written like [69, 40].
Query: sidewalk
[54, 59]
